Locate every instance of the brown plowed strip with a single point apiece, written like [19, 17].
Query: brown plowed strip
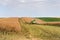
[10, 24]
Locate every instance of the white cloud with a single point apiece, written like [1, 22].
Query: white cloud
[22, 1]
[3, 2]
[14, 2]
[29, 3]
[40, 0]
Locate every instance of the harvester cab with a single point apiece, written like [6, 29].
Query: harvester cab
[33, 21]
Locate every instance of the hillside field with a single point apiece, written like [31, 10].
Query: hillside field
[33, 31]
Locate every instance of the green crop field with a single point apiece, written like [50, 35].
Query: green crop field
[49, 19]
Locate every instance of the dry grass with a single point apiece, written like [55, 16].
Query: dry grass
[43, 32]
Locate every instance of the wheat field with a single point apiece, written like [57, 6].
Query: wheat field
[32, 32]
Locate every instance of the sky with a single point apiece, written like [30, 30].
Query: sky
[29, 8]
